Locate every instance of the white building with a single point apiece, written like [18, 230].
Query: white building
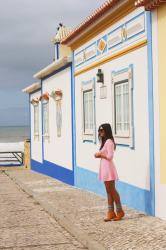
[103, 73]
[51, 115]
[116, 46]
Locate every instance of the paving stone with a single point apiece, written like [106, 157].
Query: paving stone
[25, 225]
[86, 210]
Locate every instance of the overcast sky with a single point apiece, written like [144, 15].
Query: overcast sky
[26, 28]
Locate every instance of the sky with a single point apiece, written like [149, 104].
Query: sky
[26, 29]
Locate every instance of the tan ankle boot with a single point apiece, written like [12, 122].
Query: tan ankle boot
[119, 215]
[110, 216]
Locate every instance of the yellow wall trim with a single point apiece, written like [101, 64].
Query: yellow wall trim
[112, 57]
[162, 88]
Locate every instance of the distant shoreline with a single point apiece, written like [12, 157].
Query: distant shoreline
[7, 126]
[11, 134]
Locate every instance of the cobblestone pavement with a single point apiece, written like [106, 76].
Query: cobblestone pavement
[86, 211]
[25, 225]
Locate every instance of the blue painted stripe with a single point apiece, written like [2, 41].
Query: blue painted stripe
[30, 120]
[130, 195]
[132, 145]
[72, 89]
[151, 111]
[73, 116]
[42, 123]
[53, 170]
[57, 51]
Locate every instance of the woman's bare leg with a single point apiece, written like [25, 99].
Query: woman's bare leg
[109, 195]
[116, 197]
[111, 214]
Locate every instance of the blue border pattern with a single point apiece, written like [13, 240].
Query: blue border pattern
[105, 37]
[141, 14]
[111, 32]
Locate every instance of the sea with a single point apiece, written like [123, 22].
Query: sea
[14, 134]
[12, 140]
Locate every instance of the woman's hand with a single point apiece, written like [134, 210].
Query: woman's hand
[97, 155]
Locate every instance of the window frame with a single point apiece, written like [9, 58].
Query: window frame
[88, 135]
[36, 133]
[120, 77]
[45, 135]
[122, 132]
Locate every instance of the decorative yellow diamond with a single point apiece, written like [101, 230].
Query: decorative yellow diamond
[101, 45]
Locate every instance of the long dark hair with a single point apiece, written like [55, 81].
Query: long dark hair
[108, 134]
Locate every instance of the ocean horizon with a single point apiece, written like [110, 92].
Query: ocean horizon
[10, 134]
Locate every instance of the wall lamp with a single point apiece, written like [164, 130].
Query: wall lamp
[103, 88]
[100, 76]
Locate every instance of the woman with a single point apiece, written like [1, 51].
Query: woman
[108, 173]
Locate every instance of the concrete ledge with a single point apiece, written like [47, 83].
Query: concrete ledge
[64, 221]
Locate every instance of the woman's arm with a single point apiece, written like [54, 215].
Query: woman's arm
[100, 155]
[110, 150]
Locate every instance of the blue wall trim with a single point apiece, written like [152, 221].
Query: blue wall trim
[114, 46]
[42, 123]
[131, 195]
[30, 126]
[57, 51]
[73, 114]
[53, 170]
[151, 111]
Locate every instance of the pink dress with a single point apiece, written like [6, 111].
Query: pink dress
[107, 171]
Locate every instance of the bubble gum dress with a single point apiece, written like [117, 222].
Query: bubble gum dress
[107, 171]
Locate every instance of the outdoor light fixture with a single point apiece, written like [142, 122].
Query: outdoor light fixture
[100, 76]
[103, 88]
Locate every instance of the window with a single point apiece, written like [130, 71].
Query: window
[123, 123]
[45, 119]
[121, 94]
[36, 120]
[88, 110]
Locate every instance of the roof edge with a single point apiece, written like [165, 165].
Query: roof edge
[52, 67]
[32, 87]
[98, 13]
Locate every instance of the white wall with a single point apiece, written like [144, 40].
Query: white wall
[132, 165]
[58, 150]
[36, 143]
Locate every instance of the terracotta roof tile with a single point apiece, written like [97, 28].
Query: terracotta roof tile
[90, 19]
[149, 4]
[62, 32]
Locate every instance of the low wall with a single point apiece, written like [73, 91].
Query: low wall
[27, 161]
